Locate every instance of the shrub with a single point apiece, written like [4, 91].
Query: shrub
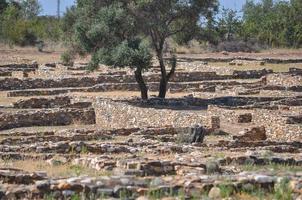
[67, 58]
[40, 45]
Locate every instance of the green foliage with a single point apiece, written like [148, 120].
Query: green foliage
[47, 28]
[68, 25]
[67, 58]
[30, 9]
[21, 25]
[3, 5]
[229, 25]
[75, 197]
[49, 196]
[77, 169]
[15, 30]
[283, 191]
[116, 32]
[275, 24]
[269, 23]
[226, 190]
[112, 39]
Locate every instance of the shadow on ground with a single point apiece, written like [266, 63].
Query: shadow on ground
[191, 103]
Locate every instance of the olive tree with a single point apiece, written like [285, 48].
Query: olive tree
[116, 31]
[3, 5]
[160, 20]
[113, 39]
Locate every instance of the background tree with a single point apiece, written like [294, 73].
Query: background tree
[30, 8]
[68, 24]
[229, 25]
[3, 5]
[275, 24]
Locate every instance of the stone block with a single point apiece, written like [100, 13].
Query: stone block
[215, 122]
[252, 134]
[245, 118]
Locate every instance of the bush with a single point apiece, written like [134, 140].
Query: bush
[238, 46]
[67, 58]
[40, 45]
[17, 29]
[20, 33]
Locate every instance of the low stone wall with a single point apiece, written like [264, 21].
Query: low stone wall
[28, 83]
[296, 71]
[275, 124]
[229, 59]
[43, 92]
[20, 66]
[111, 115]
[56, 102]
[173, 87]
[46, 117]
[297, 88]
[294, 119]
[251, 73]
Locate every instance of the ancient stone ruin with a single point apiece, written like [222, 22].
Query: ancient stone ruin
[222, 133]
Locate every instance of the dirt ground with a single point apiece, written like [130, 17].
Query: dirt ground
[52, 54]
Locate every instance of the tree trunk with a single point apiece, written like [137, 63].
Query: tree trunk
[166, 77]
[141, 83]
[163, 80]
[163, 88]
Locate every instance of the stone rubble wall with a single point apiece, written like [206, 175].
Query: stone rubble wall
[173, 87]
[20, 66]
[251, 73]
[28, 83]
[43, 92]
[294, 119]
[55, 102]
[47, 117]
[111, 114]
[242, 58]
[275, 125]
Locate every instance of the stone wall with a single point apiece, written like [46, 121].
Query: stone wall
[28, 83]
[55, 102]
[46, 117]
[251, 73]
[242, 58]
[20, 66]
[111, 114]
[172, 86]
[275, 124]
[43, 92]
[294, 119]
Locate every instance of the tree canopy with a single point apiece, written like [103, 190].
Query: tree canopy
[274, 23]
[126, 32]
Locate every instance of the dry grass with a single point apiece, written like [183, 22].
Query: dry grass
[57, 171]
[194, 47]
[52, 53]
[282, 51]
